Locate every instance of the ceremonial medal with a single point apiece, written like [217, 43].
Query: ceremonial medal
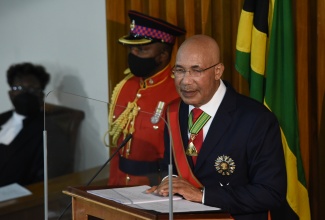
[194, 129]
[225, 165]
[191, 149]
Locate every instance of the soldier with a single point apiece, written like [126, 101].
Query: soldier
[148, 86]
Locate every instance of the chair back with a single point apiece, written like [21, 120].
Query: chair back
[62, 126]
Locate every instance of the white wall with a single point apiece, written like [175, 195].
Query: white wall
[67, 37]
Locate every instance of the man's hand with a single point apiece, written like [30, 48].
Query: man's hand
[181, 187]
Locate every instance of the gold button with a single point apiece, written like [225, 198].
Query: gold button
[155, 127]
[138, 95]
[150, 81]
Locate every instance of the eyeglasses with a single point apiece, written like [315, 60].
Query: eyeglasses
[26, 89]
[180, 72]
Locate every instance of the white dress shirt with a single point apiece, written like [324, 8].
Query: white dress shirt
[211, 107]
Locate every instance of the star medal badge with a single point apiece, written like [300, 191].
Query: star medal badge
[225, 165]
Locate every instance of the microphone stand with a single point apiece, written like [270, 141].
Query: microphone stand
[154, 120]
[127, 138]
[45, 172]
[170, 176]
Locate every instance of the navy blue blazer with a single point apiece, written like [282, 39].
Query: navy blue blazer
[245, 132]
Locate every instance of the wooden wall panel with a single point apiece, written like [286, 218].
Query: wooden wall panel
[320, 79]
[217, 18]
[320, 56]
[116, 21]
[302, 67]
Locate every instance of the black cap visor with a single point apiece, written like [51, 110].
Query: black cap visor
[132, 40]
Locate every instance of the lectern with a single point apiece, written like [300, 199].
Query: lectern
[88, 206]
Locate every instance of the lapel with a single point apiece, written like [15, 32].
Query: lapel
[219, 126]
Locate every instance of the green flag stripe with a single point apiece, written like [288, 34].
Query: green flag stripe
[280, 88]
[256, 80]
[257, 86]
[243, 64]
[280, 97]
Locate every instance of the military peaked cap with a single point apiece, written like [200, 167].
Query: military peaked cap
[145, 29]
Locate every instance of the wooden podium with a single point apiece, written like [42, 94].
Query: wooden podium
[88, 206]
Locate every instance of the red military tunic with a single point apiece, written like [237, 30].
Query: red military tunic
[147, 144]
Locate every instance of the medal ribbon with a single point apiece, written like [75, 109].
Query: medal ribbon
[199, 123]
[200, 118]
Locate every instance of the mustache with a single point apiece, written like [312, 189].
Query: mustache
[186, 88]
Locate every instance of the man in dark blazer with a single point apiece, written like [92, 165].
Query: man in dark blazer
[240, 165]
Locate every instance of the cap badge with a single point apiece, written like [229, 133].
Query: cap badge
[224, 165]
[132, 25]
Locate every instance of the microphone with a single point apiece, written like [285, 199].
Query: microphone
[159, 109]
[127, 138]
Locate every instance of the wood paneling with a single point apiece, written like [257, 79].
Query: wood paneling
[320, 79]
[302, 34]
[217, 18]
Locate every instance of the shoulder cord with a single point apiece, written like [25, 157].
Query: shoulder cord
[125, 122]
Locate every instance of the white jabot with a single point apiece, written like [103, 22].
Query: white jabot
[11, 128]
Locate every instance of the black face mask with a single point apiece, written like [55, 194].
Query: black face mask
[27, 104]
[141, 67]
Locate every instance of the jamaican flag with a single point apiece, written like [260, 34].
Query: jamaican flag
[265, 57]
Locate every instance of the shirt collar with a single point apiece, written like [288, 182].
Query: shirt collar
[215, 101]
